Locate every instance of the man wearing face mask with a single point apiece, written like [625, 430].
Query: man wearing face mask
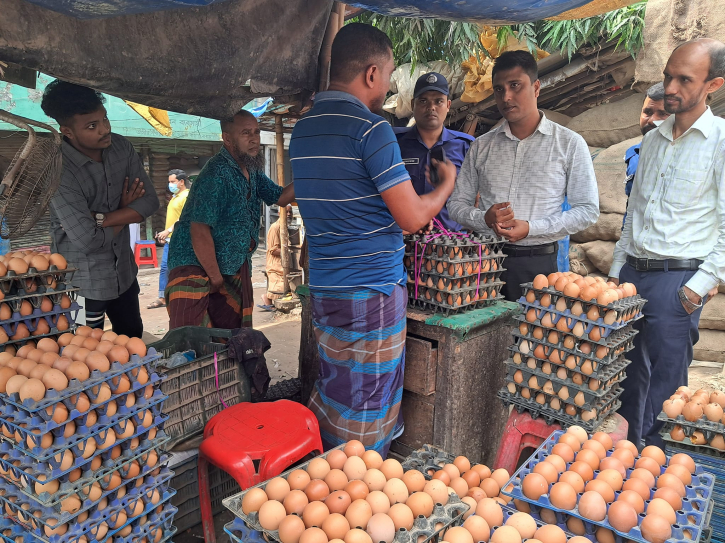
[210, 277]
[177, 186]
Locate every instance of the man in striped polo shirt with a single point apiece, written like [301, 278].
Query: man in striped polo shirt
[356, 198]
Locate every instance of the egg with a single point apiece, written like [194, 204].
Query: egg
[5, 374]
[472, 478]
[314, 514]
[25, 367]
[414, 480]
[298, 479]
[602, 488]
[571, 440]
[639, 486]
[684, 460]
[656, 529]
[548, 470]
[402, 516]
[534, 486]
[437, 490]
[335, 526]
[506, 534]
[14, 383]
[354, 468]
[359, 513]
[316, 490]
[612, 477]
[420, 503]
[32, 389]
[119, 354]
[392, 469]
[625, 456]
[563, 496]
[271, 514]
[654, 452]
[58, 261]
[372, 459]
[381, 529]
[592, 506]
[668, 480]
[336, 480]
[357, 536]
[65, 301]
[135, 346]
[490, 511]
[490, 487]
[77, 370]
[379, 502]
[374, 479]
[525, 524]
[563, 450]
[62, 323]
[295, 502]
[458, 534]
[338, 502]
[17, 265]
[357, 490]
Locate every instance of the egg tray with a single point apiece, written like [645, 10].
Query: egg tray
[463, 291]
[32, 321]
[444, 242]
[447, 309]
[592, 398]
[618, 343]
[426, 459]
[572, 320]
[448, 283]
[702, 424]
[701, 450]
[35, 279]
[708, 434]
[76, 443]
[12, 419]
[509, 510]
[35, 518]
[24, 480]
[635, 302]
[160, 520]
[17, 343]
[35, 298]
[696, 502]
[130, 369]
[239, 533]
[609, 405]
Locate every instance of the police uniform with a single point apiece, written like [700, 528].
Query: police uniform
[631, 159]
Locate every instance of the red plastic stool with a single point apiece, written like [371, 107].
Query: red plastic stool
[276, 434]
[140, 259]
[521, 432]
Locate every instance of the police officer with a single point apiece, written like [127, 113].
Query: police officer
[430, 108]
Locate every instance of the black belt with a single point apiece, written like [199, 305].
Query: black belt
[531, 250]
[649, 264]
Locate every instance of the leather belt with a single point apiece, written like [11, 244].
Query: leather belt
[531, 250]
[649, 264]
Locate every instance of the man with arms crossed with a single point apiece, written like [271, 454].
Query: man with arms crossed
[355, 197]
[523, 170]
[673, 244]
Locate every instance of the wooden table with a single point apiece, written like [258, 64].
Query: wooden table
[453, 370]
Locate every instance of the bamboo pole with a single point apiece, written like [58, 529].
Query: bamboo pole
[283, 233]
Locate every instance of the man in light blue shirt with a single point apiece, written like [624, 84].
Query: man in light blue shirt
[673, 244]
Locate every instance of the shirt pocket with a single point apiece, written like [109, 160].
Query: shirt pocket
[686, 187]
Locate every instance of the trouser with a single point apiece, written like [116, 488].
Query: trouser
[662, 351]
[124, 312]
[523, 269]
[164, 271]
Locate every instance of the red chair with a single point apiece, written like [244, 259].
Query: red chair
[521, 432]
[276, 435]
[149, 245]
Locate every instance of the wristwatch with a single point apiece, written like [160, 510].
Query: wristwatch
[687, 302]
[100, 217]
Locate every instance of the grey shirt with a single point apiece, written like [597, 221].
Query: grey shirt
[106, 265]
[535, 175]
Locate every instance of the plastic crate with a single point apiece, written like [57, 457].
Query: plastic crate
[194, 397]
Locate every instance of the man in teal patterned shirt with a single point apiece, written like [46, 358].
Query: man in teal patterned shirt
[209, 256]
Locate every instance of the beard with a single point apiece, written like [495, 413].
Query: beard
[251, 163]
[680, 107]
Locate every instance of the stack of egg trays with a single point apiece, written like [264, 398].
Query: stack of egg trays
[615, 373]
[695, 505]
[625, 309]
[708, 428]
[610, 404]
[35, 298]
[480, 296]
[31, 321]
[425, 529]
[32, 280]
[452, 245]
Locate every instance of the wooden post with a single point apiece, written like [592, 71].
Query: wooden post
[146, 157]
[470, 125]
[283, 234]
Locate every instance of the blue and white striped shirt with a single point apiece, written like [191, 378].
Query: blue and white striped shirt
[343, 157]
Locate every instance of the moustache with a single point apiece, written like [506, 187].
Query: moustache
[673, 97]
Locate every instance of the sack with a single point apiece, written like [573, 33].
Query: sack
[713, 314]
[601, 254]
[611, 171]
[711, 346]
[608, 228]
[609, 124]
[558, 118]
[402, 83]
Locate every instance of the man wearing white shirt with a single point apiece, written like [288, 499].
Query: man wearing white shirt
[673, 244]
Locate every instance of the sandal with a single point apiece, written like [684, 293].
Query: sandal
[269, 308]
[156, 304]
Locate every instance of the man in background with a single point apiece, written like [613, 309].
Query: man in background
[210, 277]
[273, 268]
[673, 243]
[430, 105]
[101, 193]
[178, 187]
[524, 170]
[653, 111]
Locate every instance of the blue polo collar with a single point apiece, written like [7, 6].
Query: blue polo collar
[329, 96]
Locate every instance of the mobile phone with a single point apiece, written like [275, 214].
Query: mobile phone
[439, 154]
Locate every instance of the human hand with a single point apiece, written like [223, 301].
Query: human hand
[447, 173]
[161, 236]
[613, 280]
[513, 231]
[426, 229]
[711, 294]
[694, 299]
[216, 283]
[132, 193]
[499, 213]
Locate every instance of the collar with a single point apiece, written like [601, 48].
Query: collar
[545, 126]
[414, 134]
[330, 96]
[75, 156]
[180, 193]
[632, 151]
[226, 155]
[703, 124]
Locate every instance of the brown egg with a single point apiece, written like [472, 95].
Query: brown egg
[5, 312]
[655, 529]
[298, 479]
[622, 516]
[625, 456]
[534, 486]
[48, 358]
[421, 504]
[571, 440]
[602, 488]
[58, 261]
[396, 491]
[392, 469]
[472, 478]
[104, 347]
[556, 460]
[379, 502]
[582, 469]
[612, 477]
[681, 472]
[335, 526]
[357, 490]
[506, 534]
[381, 528]
[354, 468]
[613, 463]
[437, 490]
[316, 490]
[442, 476]
[77, 370]
[118, 354]
[356, 536]
[135, 346]
[295, 502]
[563, 450]
[372, 459]
[670, 495]
[548, 470]
[414, 480]
[82, 403]
[32, 389]
[472, 503]
[490, 487]
[62, 323]
[574, 479]
[648, 464]
[458, 534]
[277, 489]
[626, 444]
[374, 479]
[590, 457]
[336, 480]
[97, 361]
[660, 507]
[17, 265]
[338, 502]
[655, 453]
[336, 459]
[14, 383]
[669, 480]
[5, 375]
[459, 486]
[38, 371]
[401, 516]
[314, 514]
[563, 495]
[684, 460]
[633, 499]
[592, 506]
[359, 513]
[271, 514]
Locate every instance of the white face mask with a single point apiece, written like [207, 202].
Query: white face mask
[173, 188]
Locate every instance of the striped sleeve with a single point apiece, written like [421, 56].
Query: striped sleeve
[381, 156]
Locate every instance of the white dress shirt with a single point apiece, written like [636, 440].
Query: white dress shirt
[677, 206]
[535, 175]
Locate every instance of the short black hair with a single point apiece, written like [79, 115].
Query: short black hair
[62, 100]
[656, 92]
[717, 60]
[513, 59]
[357, 46]
[180, 174]
[226, 124]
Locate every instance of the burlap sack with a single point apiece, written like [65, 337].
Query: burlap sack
[611, 172]
[608, 228]
[558, 118]
[711, 346]
[713, 314]
[609, 124]
[600, 253]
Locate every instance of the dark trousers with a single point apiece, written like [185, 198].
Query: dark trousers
[124, 312]
[523, 269]
[662, 351]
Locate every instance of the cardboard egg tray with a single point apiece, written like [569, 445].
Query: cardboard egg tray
[620, 342]
[600, 371]
[592, 398]
[631, 304]
[443, 244]
[449, 283]
[35, 519]
[609, 404]
[691, 520]
[487, 294]
[572, 320]
[76, 443]
[703, 424]
[34, 279]
[130, 369]
[708, 434]
[35, 298]
[32, 321]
